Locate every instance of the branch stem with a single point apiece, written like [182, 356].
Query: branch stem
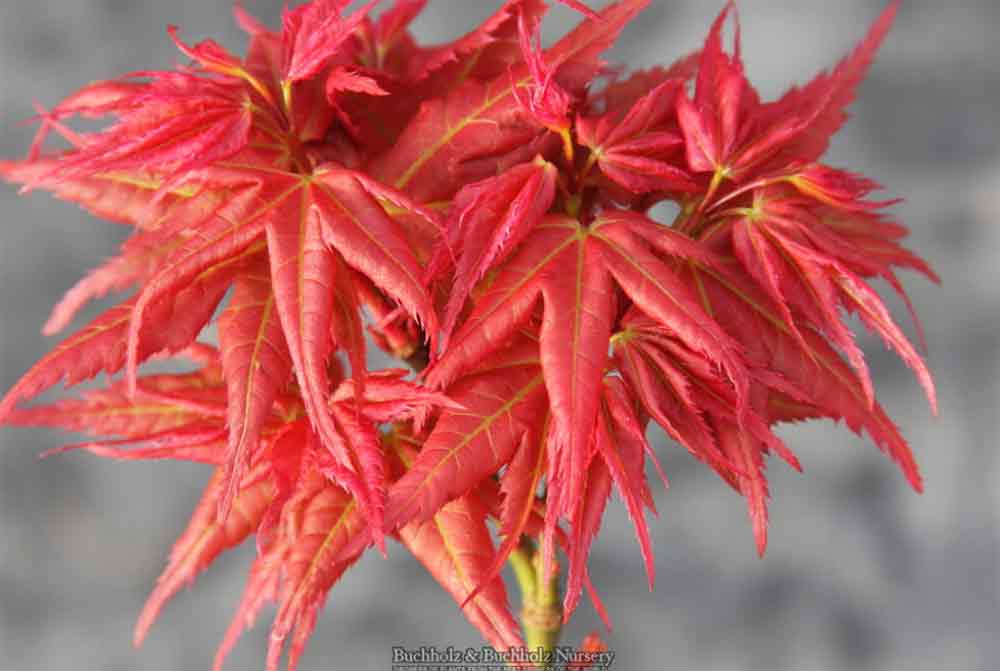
[541, 607]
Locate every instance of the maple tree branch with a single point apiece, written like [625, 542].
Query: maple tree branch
[541, 607]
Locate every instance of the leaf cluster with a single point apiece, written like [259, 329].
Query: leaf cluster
[483, 207]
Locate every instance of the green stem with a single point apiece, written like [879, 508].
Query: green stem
[541, 607]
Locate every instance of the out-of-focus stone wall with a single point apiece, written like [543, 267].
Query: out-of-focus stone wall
[861, 573]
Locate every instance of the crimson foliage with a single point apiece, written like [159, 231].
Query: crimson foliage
[484, 206]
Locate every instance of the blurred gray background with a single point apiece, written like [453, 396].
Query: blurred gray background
[861, 572]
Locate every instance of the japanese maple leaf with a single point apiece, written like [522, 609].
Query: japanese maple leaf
[792, 255]
[299, 222]
[639, 151]
[173, 123]
[695, 406]
[730, 135]
[824, 383]
[576, 272]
